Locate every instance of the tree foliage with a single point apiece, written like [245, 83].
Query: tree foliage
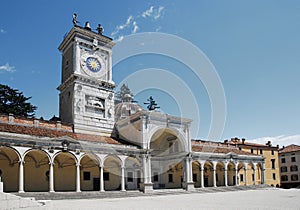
[120, 95]
[13, 101]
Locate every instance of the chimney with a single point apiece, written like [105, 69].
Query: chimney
[225, 141]
[243, 140]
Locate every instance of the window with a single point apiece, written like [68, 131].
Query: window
[261, 151]
[272, 152]
[273, 163]
[86, 175]
[274, 176]
[284, 178]
[283, 169]
[241, 177]
[294, 177]
[252, 177]
[155, 177]
[194, 177]
[217, 177]
[171, 178]
[106, 176]
[294, 168]
[293, 159]
[282, 160]
[252, 151]
[240, 148]
[129, 176]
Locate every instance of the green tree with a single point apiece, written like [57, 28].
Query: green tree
[120, 95]
[13, 101]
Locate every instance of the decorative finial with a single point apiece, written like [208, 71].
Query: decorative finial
[100, 29]
[152, 105]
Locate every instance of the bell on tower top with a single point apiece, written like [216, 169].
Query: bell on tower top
[87, 26]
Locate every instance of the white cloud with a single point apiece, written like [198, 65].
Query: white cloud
[158, 29]
[153, 12]
[123, 26]
[119, 39]
[279, 140]
[159, 12]
[7, 68]
[2, 31]
[131, 22]
[135, 27]
[148, 12]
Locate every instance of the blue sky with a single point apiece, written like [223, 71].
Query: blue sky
[253, 45]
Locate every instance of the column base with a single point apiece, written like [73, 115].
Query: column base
[146, 187]
[189, 186]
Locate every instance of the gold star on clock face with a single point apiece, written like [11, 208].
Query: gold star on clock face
[93, 64]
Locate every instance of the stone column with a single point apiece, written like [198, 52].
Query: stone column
[225, 174]
[147, 186]
[236, 177]
[189, 185]
[78, 177]
[145, 170]
[51, 177]
[214, 174]
[245, 173]
[149, 173]
[76, 57]
[202, 175]
[254, 173]
[101, 179]
[123, 179]
[263, 174]
[21, 177]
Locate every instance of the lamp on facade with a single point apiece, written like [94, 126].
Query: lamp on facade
[51, 149]
[77, 151]
[65, 145]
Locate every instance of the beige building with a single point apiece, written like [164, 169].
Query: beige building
[269, 152]
[289, 162]
[99, 146]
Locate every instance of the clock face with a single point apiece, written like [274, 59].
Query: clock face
[93, 64]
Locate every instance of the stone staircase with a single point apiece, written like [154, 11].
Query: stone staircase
[10, 201]
[118, 194]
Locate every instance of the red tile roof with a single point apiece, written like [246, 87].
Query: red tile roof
[236, 141]
[290, 148]
[53, 133]
[216, 147]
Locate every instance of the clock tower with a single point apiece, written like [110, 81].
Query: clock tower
[86, 97]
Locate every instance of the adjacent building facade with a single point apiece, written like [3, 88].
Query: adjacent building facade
[99, 146]
[269, 152]
[289, 162]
